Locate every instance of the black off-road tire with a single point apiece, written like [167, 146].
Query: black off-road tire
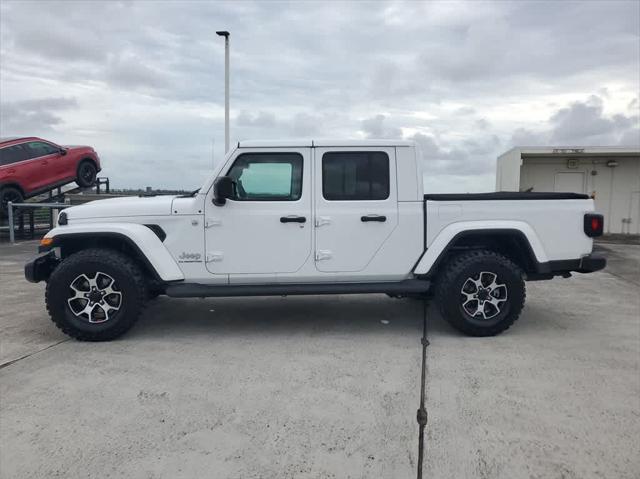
[153, 294]
[9, 193]
[127, 276]
[469, 265]
[87, 174]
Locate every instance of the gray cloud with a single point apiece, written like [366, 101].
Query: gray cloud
[631, 138]
[56, 42]
[306, 125]
[262, 119]
[465, 111]
[583, 123]
[482, 123]
[525, 137]
[375, 127]
[38, 115]
[470, 160]
[130, 72]
[148, 77]
[583, 120]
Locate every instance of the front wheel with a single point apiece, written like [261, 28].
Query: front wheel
[96, 294]
[481, 293]
[87, 174]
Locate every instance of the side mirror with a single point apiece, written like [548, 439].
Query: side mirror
[222, 189]
[63, 151]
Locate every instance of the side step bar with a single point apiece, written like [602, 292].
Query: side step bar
[196, 290]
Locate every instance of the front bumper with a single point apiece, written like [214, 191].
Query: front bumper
[40, 267]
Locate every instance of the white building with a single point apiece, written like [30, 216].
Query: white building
[611, 175]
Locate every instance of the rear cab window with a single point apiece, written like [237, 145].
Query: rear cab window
[355, 175]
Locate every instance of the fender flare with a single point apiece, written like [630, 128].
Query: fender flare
[141, 238]
[442, 243]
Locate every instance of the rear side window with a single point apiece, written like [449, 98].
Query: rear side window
[355, 175]
[12, 154]
[267, 177]
[40, 148]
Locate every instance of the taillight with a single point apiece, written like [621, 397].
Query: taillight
[593, 225]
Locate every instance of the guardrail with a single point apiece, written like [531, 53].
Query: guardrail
[11, 205]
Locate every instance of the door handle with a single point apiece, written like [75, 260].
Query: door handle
[380, 219]
[293, 219]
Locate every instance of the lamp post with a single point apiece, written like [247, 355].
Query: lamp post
[226, 34]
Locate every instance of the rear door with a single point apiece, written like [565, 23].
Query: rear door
[21, 167]
[11, 159]
[356, 205]
[265, 229]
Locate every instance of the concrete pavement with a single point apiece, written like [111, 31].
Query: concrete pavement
[325, 387]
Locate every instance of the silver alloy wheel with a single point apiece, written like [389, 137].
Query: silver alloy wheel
[482, 296]
[94, 299]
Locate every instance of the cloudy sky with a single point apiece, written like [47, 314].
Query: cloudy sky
[143, 81]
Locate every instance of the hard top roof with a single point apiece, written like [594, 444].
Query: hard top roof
[321, 143]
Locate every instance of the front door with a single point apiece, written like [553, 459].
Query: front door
[265, 229]
[356, 205]
[47, 159]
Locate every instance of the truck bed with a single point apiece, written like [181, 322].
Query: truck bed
[553, 223]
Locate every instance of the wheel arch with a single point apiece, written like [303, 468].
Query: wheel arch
[512, 242]
[13, 184]
[137, 241]
[85, 159]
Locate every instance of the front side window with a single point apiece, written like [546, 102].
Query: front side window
[12, 154]
[40, 148]
[267, 177]
[355, 175]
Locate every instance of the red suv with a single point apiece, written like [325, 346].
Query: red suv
[30, 166]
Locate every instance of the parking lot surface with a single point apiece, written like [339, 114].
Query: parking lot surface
[325, 387]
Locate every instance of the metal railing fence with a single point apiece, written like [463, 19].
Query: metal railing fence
[33, 206]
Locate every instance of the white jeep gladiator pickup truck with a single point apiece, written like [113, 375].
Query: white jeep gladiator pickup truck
[315, 217]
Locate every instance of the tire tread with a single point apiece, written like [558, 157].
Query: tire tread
[114, 258]
[455, 267]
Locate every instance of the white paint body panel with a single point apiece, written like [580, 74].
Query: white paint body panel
[127, 206]
[554, 228]
[143, 237]
[344, 243]
[247, 237]
[244, 242]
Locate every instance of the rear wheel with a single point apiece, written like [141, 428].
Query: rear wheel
[87, 173]
[96, 294]
[7, 194]
[481, 293]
